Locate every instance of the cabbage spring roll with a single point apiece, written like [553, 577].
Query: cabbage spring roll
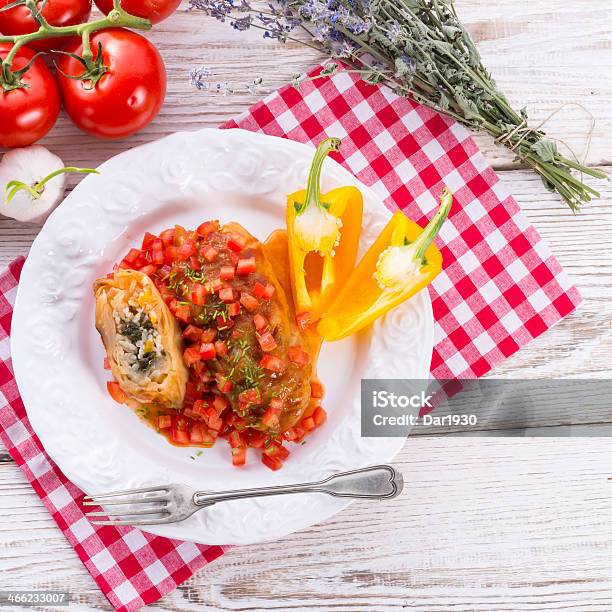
[142, 339]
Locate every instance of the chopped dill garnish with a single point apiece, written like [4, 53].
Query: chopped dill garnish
[211, 311]
[252, 375]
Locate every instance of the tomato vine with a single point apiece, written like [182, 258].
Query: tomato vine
[116, 18]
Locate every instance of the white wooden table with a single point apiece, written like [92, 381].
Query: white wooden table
[491, 524]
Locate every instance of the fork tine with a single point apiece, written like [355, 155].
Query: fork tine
[96, 501]
[167, 519]
[128, 492]
[162, 510]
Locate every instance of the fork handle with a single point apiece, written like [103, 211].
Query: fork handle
[376, 482]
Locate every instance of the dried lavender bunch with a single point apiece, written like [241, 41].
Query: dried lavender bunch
[421, 50]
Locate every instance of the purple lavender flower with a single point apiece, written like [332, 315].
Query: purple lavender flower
[343, 49]
[219, 9]
[198, 78]
[394, 32]
[253, 88]
[316, 11]
[242, 24]
[404, 65]
[320, 32]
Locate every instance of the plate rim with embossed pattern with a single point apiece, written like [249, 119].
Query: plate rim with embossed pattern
[53, 306]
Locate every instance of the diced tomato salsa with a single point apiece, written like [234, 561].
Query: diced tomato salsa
[210, 281]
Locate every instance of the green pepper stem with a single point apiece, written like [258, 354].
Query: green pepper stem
[426, 237]
[313, 190]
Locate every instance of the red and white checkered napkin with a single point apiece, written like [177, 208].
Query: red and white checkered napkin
[500, 286]
[131, 567]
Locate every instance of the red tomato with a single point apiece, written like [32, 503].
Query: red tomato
[267, 342]
[183, 313]
[149, 270]
[164, 421]
[266, 293]
[192, 333]
[270, 419]
[272, 363]
[208, 227]
[272, 462]
[298, 355]
[210, 254]
[316, 389]
[180, 436]
[198, 294]
[132, 256]
[308, 424]
[148, 240]
[236, 242]
[191, 355]
[245, 266]
[127, 97]
[154, 10]
[260, 322]
[116, 392]
[60, 13]
[227, 273]
[167, 237]
[221, 348]
[28, 113]
[303, 320]
[233, 309]
[208, 335]
[214, 420]
[319, 416]
[207, 350]
[239, 456]
[186, 250]
[226, 295]
[248, 301]
[220, 403]
[254, 438]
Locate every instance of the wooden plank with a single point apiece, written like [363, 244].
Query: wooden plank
[493, 524]
[504, 524]
[543, 55]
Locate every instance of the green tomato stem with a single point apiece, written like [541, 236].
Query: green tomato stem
[313, 190]
[117, 18]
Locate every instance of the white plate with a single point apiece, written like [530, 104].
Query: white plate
[57, 354]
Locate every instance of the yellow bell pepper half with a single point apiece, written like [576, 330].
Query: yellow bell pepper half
[402, 261]
[323, 237]
[275, 248]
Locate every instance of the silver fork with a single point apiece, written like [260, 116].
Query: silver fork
[174, 503]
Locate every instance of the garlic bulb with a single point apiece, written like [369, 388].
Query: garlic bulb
[30, 165]
[34, 181]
